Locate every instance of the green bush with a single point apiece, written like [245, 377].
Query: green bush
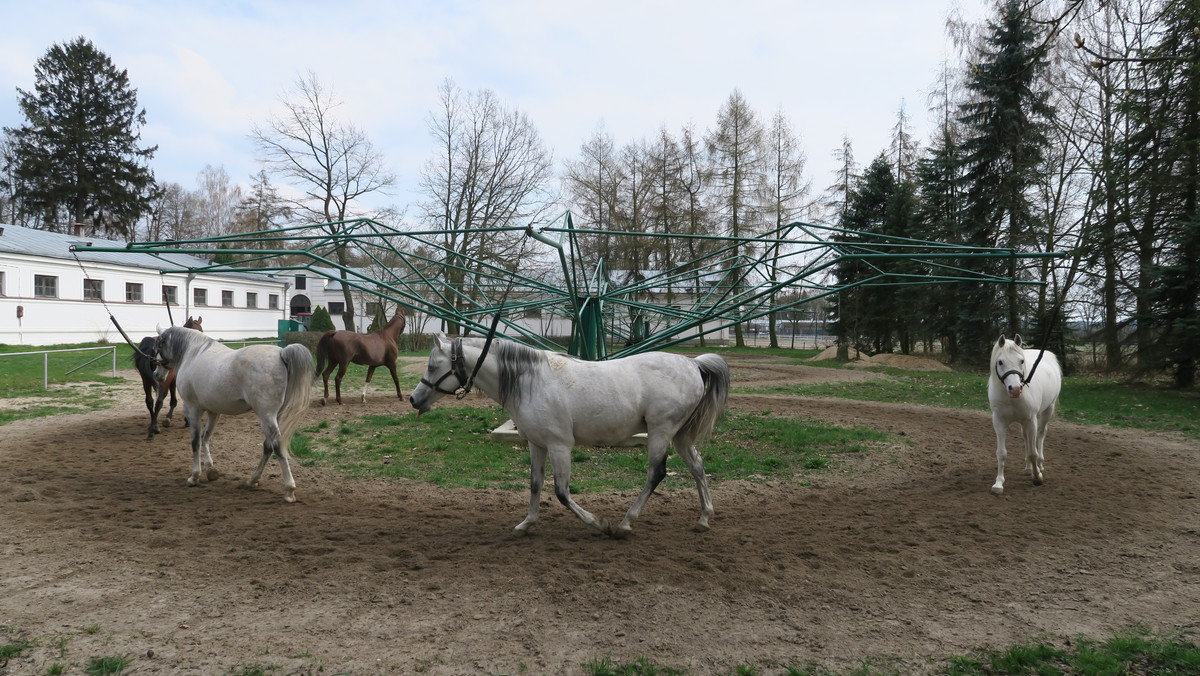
[320, 321]
[308, 339]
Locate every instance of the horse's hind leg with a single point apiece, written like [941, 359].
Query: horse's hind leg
[695, 463]
[657, 469]
[174, 402]
[560, 461]
[367, 382]
[1033, 460]
[201, 435]
[537, 476]
[272, 446]
[337, 381]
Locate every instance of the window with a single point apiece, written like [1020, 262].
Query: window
[199, 297]
[226, 299]
[171, 295]
[133, 292]
[1, 283]
[533, 313]
[273, 301]
[45, 286]
[93, 289]
[337, 308]
[251, 299]
[301, 282]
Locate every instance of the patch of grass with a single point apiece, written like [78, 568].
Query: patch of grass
[1135, 652]
[1084, 399]
[11, 650]
[103, 666]
[451, 446]
[640, 666]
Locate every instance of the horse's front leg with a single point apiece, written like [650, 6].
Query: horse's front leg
[560, 461]
[174, 402]
[152, 428]
[395, 379]
[537, 476]
[210, 425]
[1001, 428]
[194, 417]
[657, 470]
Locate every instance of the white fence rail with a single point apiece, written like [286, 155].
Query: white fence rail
[46, 360]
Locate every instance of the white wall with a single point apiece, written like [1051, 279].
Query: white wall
[71, 319]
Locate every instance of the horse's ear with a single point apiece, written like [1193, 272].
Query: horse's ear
[158, 329]
[1000, 343]
[1017, 339]
[441, 342]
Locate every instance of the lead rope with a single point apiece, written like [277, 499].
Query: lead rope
[110, 314]
[466, 387]
[1045, 338]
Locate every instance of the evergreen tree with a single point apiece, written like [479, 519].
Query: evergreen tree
[320, 320]
[1168, 112]
[1004, 126]
[77, 159]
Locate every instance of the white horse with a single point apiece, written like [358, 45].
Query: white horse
[1014, 397]
[215, 379]
[557, 401]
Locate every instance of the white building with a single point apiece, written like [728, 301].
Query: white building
[50, 296]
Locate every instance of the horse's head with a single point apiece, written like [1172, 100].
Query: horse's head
[445, 370]
[1008, 364]
[171, 343]
[194, 323]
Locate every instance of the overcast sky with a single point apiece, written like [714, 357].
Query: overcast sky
[206, 71]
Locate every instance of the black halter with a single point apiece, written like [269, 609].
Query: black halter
[458, 366]
[1011, 372]
[458, 369]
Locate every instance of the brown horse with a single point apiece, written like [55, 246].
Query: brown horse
[156, 392]
[377, 348]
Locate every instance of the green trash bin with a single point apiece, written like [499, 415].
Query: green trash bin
[288, 326]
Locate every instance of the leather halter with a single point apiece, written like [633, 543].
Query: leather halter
[458, 369]
[1011, 372]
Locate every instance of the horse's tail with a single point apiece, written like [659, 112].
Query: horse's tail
[715, 373]
[322, 352]
[299, 363]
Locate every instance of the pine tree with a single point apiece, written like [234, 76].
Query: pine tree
[1004, 127]
[1168, 108]
[77, 159]
[320, 320]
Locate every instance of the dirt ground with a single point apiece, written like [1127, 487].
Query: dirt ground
[901, 556]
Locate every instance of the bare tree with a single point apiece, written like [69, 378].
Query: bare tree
[784, 189]
[491, 171]
[592, 184]
[736, 148]
[218, 200]
[332, 163]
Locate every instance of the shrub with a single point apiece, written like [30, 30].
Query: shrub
[320, 321]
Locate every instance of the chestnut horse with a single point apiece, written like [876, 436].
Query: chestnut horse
[143, 359]
[374, 349]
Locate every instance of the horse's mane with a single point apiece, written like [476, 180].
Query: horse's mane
[176, 341]
[516, 363]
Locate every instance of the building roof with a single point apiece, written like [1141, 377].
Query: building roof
[29, 241]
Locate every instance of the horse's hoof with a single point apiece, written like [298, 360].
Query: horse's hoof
[619, 533]
[289, 498]
[521, 532]
[997, 490]
[1037, 481]
[322, 401]
[213, 474]
[700, 528]
[165, 422]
